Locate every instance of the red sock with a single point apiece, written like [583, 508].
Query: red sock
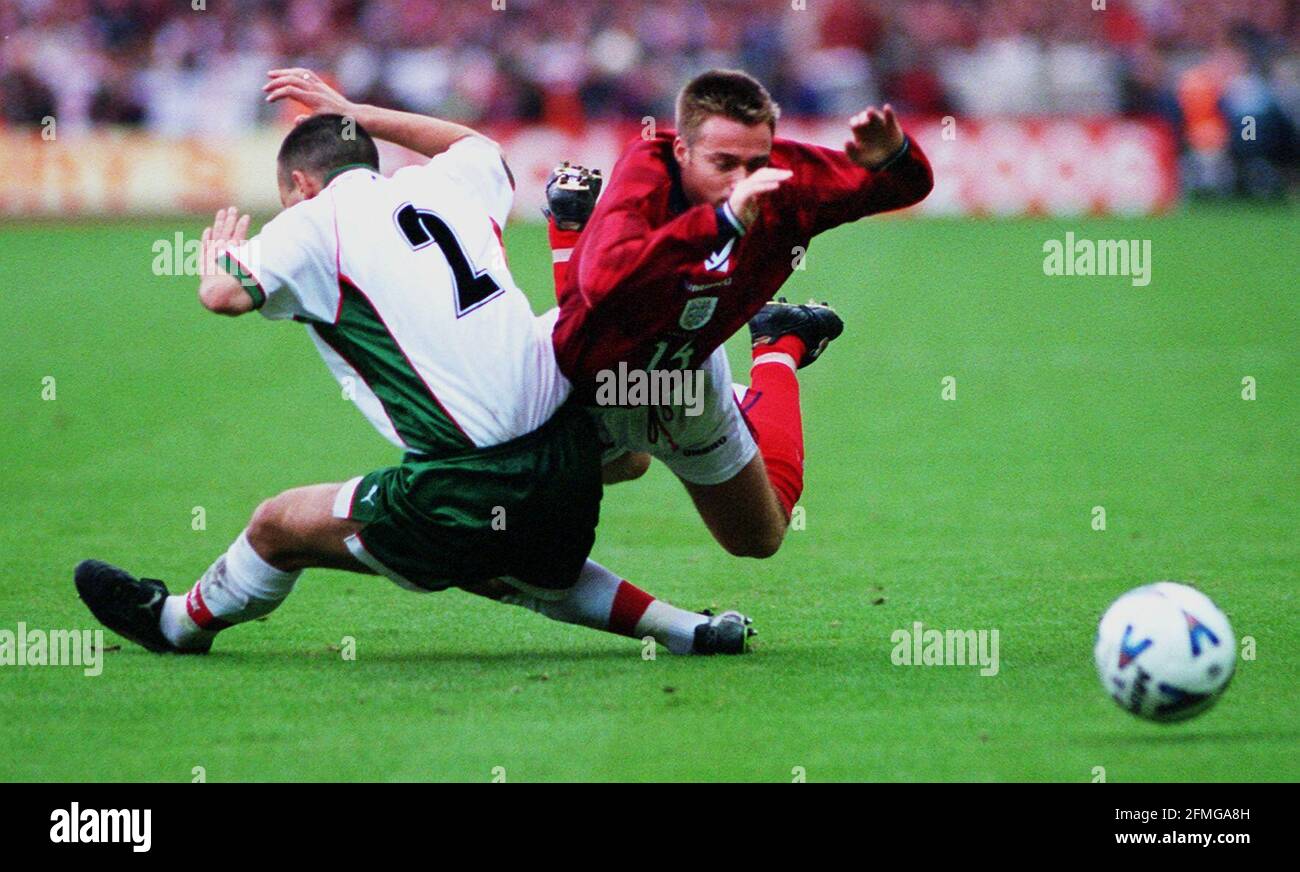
[630, 603]
[638, 614]
[602, 600]
[771, 406]
[562, 242]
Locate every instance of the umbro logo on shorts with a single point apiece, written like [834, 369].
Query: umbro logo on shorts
[712, 446]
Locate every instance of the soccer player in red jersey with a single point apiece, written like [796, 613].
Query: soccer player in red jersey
[696, 232]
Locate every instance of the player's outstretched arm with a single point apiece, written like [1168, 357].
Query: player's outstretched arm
[219, 291]
[880, 169]
[420, 133]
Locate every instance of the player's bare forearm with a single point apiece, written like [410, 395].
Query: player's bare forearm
[424, 134]
[224, 295]
[219, 291]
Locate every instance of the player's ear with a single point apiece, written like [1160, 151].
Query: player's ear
[679, 149]
[307, 184]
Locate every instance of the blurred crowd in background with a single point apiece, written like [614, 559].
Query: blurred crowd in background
[1207, 66]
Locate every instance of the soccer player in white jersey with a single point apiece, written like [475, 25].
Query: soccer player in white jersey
[403, 285]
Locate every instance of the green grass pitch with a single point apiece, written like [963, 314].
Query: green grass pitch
[975, 513]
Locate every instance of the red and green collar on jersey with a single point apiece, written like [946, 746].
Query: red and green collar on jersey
[333, 174]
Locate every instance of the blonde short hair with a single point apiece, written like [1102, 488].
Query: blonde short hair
[731, 94]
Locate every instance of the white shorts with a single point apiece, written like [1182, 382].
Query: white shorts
[708, 448]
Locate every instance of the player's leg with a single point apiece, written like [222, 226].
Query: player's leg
[749, 510]
[743, 513]
[785, 338]
[299, 529]
[711, 448]
[286, 534]
[772, 409]
[543, 548]
[604, 601]
[748, 513]
[571, 194]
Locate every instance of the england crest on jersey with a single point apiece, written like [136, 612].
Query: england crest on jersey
[697, 312]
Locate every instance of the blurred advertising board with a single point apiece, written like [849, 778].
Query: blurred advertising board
[998, 167]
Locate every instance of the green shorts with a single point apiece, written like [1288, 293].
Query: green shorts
[525, 510]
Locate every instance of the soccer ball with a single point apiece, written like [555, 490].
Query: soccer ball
[1165, 652]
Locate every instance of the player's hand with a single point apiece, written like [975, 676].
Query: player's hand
[309, 89]
[744, 197]
[229, 228]
[876, 137]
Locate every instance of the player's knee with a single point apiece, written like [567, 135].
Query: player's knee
[767, 546]
[626, 467]
[266, 530]
[638, 464]
[759, 544]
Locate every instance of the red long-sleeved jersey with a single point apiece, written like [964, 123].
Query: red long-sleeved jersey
[659, 284]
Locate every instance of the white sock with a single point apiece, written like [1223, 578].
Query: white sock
[672, 627]
[603, 601]
[238, 587]
[179, 627]
[589, 602]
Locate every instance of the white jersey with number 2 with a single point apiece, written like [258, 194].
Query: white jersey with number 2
[403, 284]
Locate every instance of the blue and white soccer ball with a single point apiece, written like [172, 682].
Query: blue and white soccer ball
[1165, 652]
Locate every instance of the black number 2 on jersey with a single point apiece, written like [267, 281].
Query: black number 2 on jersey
[421, 227]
